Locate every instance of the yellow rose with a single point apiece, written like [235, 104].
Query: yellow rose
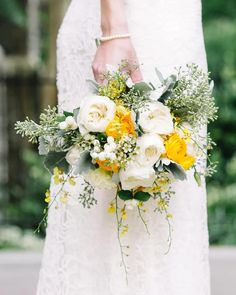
[176, 150]
[107, 166]
[122, 124]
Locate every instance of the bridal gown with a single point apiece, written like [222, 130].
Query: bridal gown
[81, 254]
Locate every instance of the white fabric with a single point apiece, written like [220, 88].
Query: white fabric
[81, 255]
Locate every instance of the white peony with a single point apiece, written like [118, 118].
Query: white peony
[151, 147]
[135, 175]
[156, 118]
[95, 114]
[100, 179]
[73, 155]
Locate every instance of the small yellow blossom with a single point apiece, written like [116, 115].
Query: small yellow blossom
[125, 230]
[114, 88]
[111, 209]
[64, 198]
[123, 213]
[71, 181]
[47, 196]
[169, 215]
[58, 175]
[162, 204]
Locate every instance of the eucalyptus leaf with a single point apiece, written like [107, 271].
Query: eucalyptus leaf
[177, 171]
[84, 163]
[42, 147]
[125, 195]
[61, 118]
[56, 159]
[170, 84]
[197, 177]
[68, 114]
[142, 87]
[159, 75]
[93, 86]
[76, 112]
[142, 196]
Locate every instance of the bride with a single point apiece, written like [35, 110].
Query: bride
[81, 255]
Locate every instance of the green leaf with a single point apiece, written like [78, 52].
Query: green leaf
[170, 84]
[159, 75]
[42, 147]
[56, 159]
[67, 114]
[76, 112]
[142, 87]
[102, 137]
[125, 195]
[197, 177]
[84, 163]
[93, 86]
[177, 171]
[142, 196]
[61, 118]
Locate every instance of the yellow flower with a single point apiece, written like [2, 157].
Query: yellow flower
[125, 230]
[122, 124]
[169, 216]
[64, 198]
[176, 150]
[58, 175]
[108, 166]
[162, 204]
[71, 181]
[114, 88]
[111, 209]
[123, 214]
[47, 196]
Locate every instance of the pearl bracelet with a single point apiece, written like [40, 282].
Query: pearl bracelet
[112, 37]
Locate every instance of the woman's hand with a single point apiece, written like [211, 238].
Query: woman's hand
[113, 52]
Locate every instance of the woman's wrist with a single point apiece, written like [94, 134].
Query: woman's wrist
[114, 28]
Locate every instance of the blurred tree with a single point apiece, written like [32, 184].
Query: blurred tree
[13, 11]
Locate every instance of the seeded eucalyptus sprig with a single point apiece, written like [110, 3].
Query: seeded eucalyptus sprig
[192, 99]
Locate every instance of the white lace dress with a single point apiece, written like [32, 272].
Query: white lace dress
[81, 255]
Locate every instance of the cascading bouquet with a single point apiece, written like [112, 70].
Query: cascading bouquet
[134, 138]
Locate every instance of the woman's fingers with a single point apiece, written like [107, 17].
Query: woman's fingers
[98, 72]
[136, 75]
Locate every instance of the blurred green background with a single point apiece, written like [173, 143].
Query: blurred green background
[28, 31]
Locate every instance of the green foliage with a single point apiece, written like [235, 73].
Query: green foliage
[12, 11]
[220, 33]
[26, 210]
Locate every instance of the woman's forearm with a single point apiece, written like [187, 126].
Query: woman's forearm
[113, 18]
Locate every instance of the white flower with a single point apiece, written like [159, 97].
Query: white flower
[156, 118]
[73, 155]
[100, 179]
[68, 124]
[95, 114]
[135, 175]
[151, 147]
[131, 204]
[63, 125]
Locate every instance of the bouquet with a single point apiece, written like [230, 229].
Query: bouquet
[134, 138]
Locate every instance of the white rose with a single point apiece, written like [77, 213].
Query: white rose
[156, 118]
[151, 147]
[135, 175]
[100, 179]
[95, 114]
[73, 155]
